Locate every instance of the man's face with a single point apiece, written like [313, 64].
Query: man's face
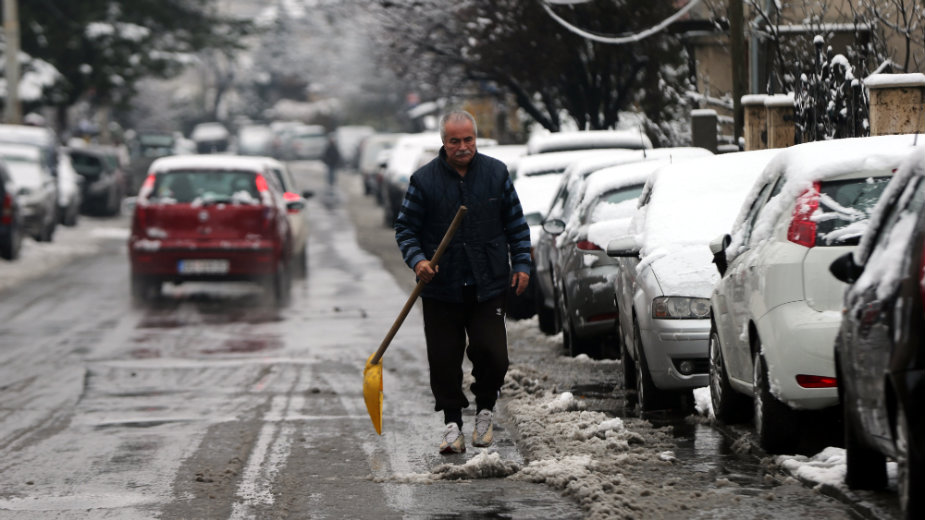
[459, 143]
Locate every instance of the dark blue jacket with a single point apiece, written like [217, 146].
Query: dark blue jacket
[493, 237]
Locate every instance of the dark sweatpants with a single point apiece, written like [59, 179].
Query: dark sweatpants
[446, 327]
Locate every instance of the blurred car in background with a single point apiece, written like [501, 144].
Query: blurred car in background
[776, 309]
[369, 161]
[11, 231]
[211, 218]
[304, 142]
[879, 362]
[70, 190]
[105, 183]
[35, 187]
[297, 212]
[665, 275]
[254, 139]
[348, 139]
[587, 140]
[211, 137]
[408, 154]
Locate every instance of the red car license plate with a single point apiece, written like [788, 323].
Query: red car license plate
[198, 266]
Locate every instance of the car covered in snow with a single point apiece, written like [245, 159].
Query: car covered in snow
[551, 142]
[878, 350]
[211, 218]
[665, 275]
[565, 199]
[776, 310]
[35, 188]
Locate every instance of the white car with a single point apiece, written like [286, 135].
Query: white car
[777, 309]
[587, 140]
[665, 275]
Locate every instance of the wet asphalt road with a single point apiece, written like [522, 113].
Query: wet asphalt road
[210, 404]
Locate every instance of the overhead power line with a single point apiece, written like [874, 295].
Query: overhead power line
[621, 40]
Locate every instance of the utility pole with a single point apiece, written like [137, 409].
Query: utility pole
[737, 58]
[12, 112]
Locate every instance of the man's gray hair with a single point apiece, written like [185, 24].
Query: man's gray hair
[457, 116]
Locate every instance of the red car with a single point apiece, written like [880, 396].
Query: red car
[210, 218]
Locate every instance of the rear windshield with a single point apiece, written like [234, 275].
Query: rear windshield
[844, 209]
[206, 186]
[86, 165]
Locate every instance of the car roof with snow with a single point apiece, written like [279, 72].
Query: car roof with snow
[586, 140]
[691, 202]
[204, 161]
[557, 162]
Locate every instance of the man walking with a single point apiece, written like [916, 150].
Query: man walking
[464, 300]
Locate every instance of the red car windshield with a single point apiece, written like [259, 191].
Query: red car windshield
[206, 186]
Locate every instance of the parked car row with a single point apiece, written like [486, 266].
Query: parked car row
[218, 217]
[715, 270]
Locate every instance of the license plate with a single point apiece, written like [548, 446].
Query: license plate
[202, 266]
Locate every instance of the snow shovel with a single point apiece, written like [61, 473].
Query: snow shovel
[372, 373]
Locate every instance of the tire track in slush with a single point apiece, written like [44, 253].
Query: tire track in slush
[269, 455]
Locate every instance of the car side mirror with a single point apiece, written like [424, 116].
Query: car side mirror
[623, 247]
[845, 269]
[718, 247]
[554, 226]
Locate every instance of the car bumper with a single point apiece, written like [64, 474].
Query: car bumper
[243, 261]
[669, 342]
[798, 340]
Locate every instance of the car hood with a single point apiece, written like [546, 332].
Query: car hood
[682, 270]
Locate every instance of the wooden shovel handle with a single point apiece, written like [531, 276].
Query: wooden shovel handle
[454, 225]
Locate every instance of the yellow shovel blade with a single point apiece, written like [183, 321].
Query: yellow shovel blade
[372, 392]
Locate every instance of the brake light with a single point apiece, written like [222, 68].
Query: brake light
[290, 197]
[261, 183]
[587, 245]
[807, 381]
[146, 187]
[802, 229]
[7, 216]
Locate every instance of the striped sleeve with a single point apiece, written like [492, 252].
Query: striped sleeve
[408, 226]
[516, 229]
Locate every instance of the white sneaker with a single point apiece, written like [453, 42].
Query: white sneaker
[453, 440]
[483, 433]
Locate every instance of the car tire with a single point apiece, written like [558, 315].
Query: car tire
[145, 288]
[910, 477]
[648, 395]
[546, 317]
[300, 264]
[729, 406]
[281, 286]
[775, 422]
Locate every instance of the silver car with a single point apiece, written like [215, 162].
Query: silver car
[665, 275]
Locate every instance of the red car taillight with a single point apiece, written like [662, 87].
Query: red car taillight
[587, 245]
[7, 216]
[807, 381]
[802, 229]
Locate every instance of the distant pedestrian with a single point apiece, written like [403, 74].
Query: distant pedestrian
[463, 302]
[332, 160]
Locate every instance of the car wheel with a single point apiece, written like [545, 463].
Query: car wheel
[647, 394]
[910, 478]
[729, 406]
[281, 286]
[546, 317]
[775, 422]
[300, 264]
[629, 366]
[145, 288]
